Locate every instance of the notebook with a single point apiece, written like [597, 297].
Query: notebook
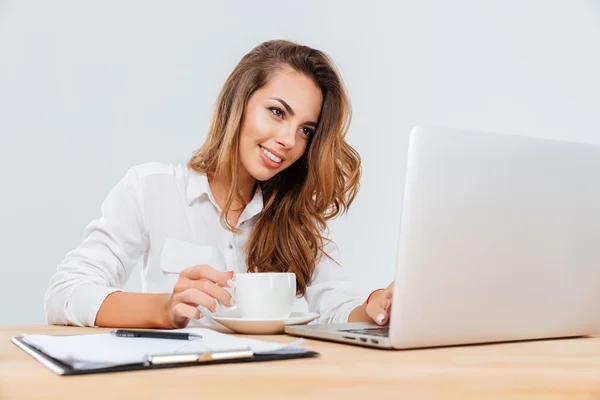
[104, 352]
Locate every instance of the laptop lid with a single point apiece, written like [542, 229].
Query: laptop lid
[499, 239]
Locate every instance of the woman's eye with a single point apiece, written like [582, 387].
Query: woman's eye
[307, 131]
[276, 111]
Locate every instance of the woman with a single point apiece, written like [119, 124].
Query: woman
[255, 197]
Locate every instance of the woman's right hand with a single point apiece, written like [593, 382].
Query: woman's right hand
[200, 285]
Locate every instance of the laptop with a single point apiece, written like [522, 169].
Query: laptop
[499, 241]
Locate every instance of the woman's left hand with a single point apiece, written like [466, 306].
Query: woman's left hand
[379, 305]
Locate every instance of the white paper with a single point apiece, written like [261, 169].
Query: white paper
[89, 351]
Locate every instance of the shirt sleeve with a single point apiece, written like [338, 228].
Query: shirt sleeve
[102, 263]
[330, 292]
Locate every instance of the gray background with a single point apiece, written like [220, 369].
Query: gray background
[90, 89]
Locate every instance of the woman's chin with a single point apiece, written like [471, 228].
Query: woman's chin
[263, 174]
[261, 177]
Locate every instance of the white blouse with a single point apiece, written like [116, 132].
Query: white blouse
[166, 217]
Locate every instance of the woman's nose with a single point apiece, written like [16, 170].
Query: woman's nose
[286, 137]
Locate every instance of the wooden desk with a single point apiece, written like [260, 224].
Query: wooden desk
[553, 369]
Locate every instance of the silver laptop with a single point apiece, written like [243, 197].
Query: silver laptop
[499, 241]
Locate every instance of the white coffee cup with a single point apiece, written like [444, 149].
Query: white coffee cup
[268, 295]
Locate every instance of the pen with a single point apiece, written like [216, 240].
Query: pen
[156, 334]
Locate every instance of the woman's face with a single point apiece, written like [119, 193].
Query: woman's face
[278, 121]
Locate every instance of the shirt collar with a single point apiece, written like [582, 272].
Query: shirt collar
[254, 207]
[198, 186]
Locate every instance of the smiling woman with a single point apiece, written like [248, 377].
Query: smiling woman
[287, 86]
[256, 196]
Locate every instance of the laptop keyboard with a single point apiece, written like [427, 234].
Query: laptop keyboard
[382, 331]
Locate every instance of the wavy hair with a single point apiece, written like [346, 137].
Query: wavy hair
[298, 201]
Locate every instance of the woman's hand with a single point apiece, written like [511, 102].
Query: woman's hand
[200, 285]
[379, 305]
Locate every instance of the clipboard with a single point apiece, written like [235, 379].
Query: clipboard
[158, 361]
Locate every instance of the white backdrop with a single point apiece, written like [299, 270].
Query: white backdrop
[88, 90]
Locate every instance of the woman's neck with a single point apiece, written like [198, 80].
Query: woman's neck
[220, 189]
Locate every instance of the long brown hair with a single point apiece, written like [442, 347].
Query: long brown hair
[298, 202]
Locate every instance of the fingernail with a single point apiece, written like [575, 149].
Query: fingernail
[230, 283]
[231, 302]
[380, 318]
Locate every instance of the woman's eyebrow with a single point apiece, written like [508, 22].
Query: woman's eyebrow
[286, 105]
[291, 111]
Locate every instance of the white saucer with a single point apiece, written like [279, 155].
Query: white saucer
[236, 323]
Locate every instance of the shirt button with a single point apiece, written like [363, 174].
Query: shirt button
[230, 246]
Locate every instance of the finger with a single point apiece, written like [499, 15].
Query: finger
[387, 300]
[207, 272]
[379, 310]
[188, 311]
[214, 291]
[195, 297]
[184, 313]
[380, 317]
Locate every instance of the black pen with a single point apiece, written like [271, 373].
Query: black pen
[156, 334]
